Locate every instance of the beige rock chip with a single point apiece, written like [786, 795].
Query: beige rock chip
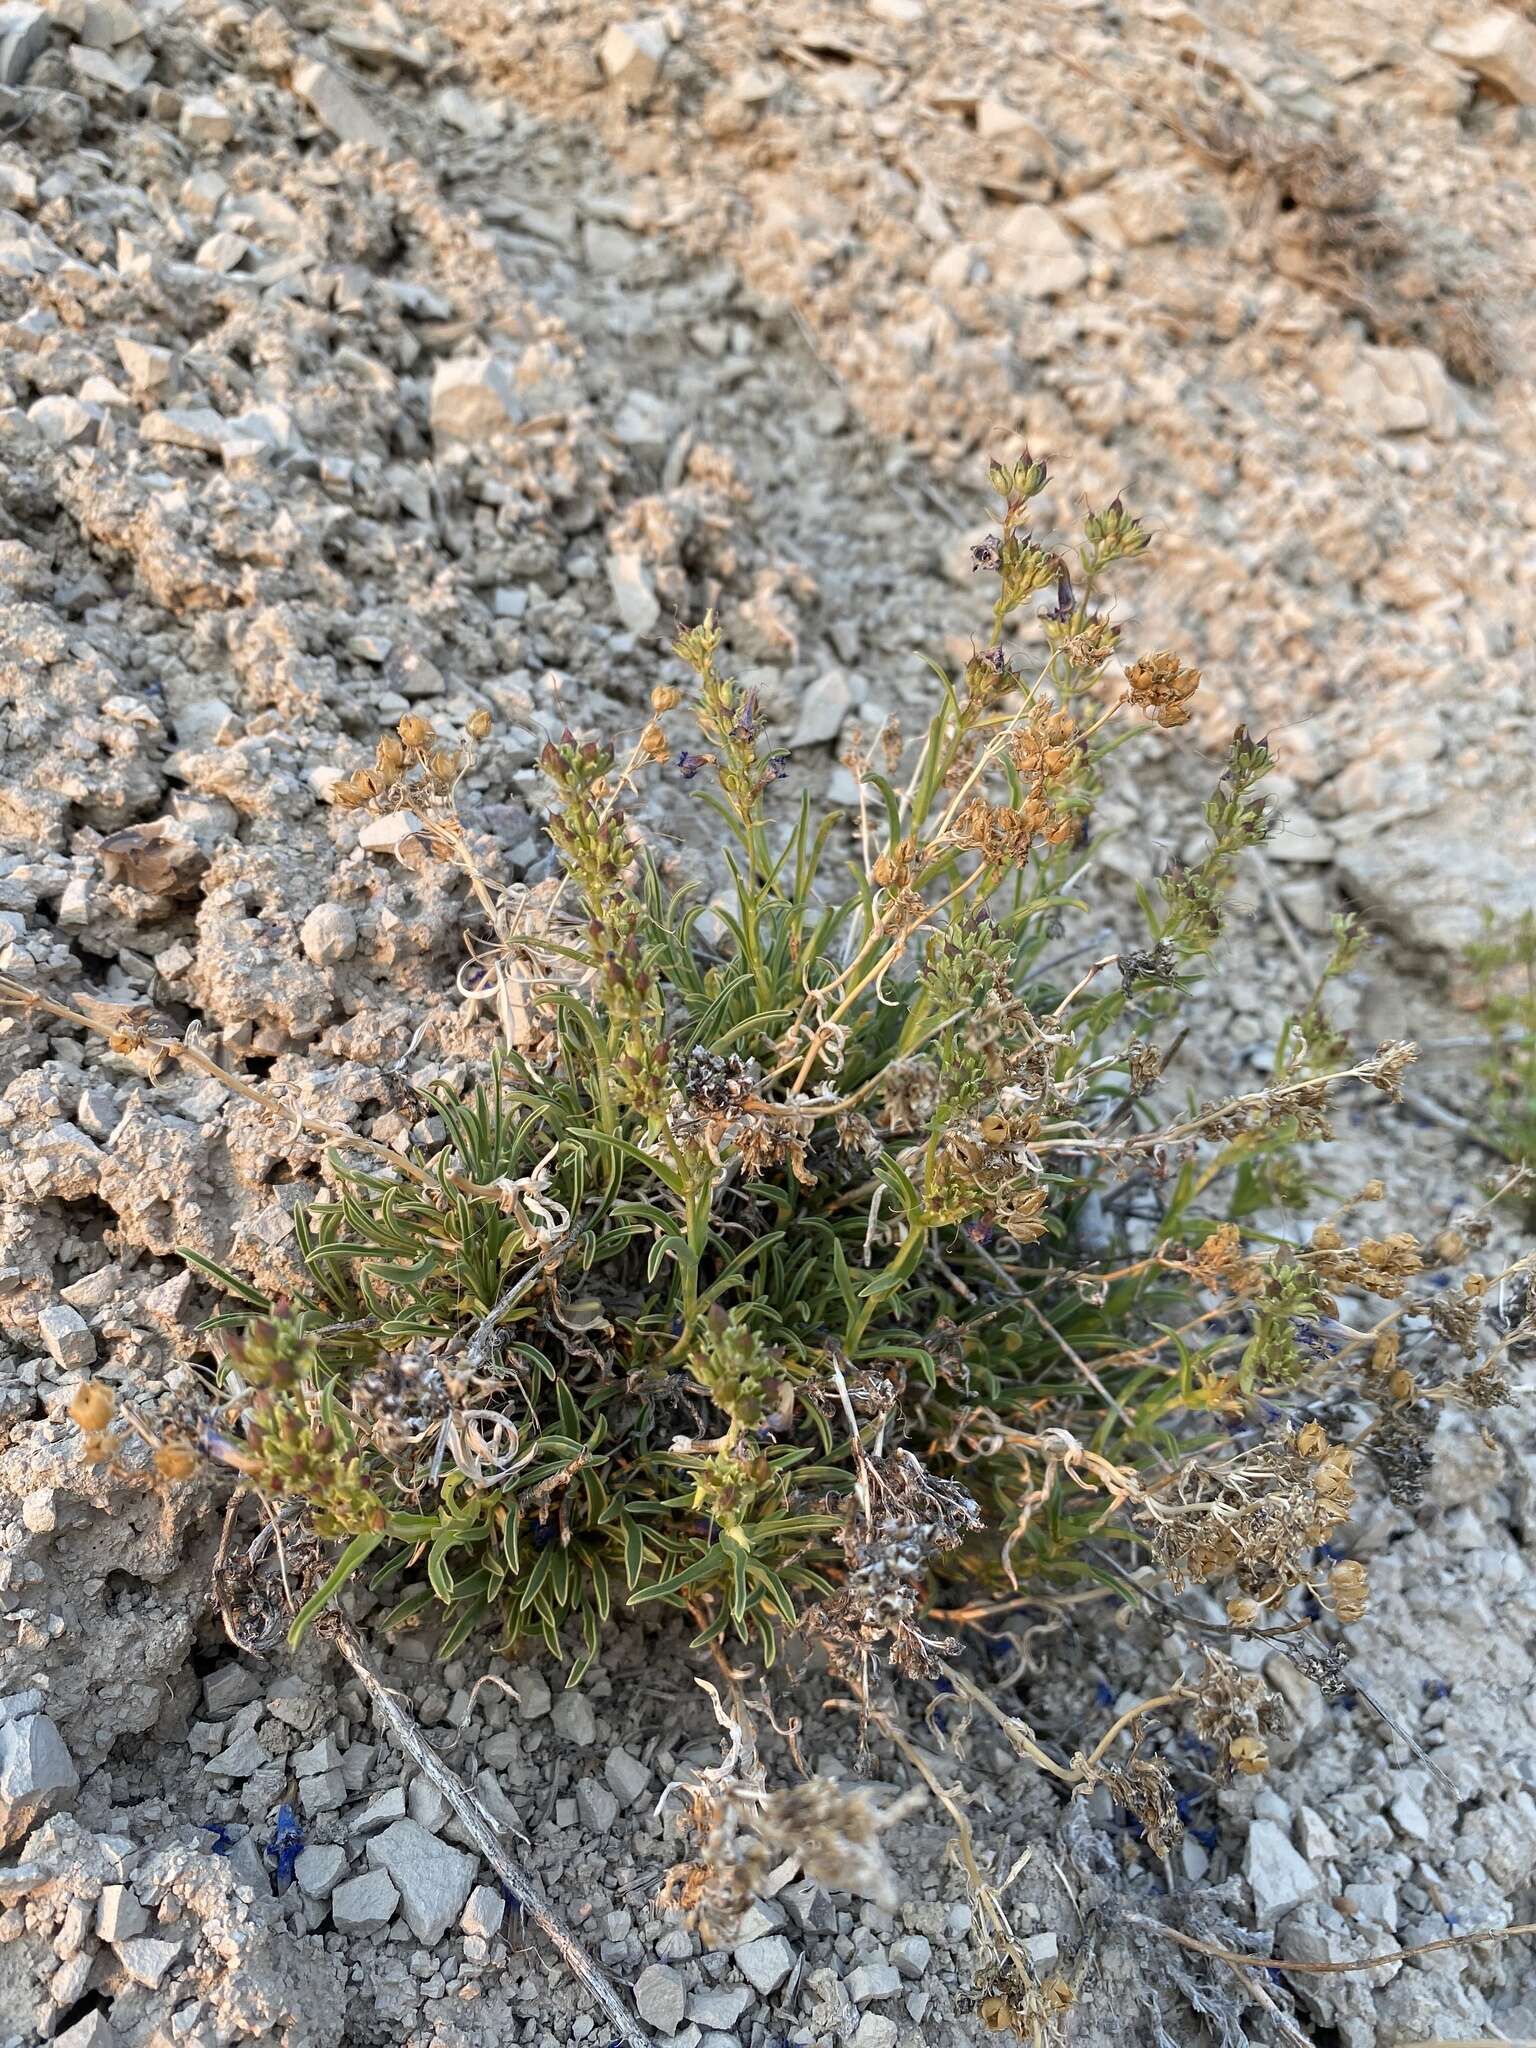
[1038, 255]
[1499, 46]
[333, 103]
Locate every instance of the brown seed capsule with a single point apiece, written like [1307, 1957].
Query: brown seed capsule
[1325, 1238]
[479, 725]
[346, 795]
[445, 764]
[390, 758]
[1311, 1440]
[175, 1461]
[1401, 1386]
[1242, 1613]
[1249, 1754]
[415, 731]
[1475, 1285]
[994, 1129]
[654, 744]
[90, 1406]
[1349, 1588]
[1449, 1247]
[665, 698]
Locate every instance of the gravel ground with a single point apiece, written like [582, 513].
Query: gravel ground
[436, 358]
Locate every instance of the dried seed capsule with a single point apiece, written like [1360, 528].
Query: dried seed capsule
[665, 698]
[479, 725]
[1311, 1440]
[175, 1461]
[1249, 1754]
[444, 764]
[90, 1406]
[390, 758]
[994, 1129]
[415, 731]
[1349, 1589]
[1242, 1613]
[654, 744]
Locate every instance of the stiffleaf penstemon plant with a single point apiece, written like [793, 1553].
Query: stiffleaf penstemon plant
[767, 1290]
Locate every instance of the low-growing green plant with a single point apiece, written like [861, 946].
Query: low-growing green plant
[783, 1275]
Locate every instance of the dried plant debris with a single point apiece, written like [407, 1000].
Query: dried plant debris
[1333, 227]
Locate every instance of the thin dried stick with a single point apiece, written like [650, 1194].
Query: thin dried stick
[481, 1830]
[1395, 1955]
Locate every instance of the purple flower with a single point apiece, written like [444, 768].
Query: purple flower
[987, 554]
[775, 767]
[688, 765]
[746, 722]
[1066, 603]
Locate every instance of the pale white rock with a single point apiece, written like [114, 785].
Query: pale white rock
[205, 121]
[107, 23]
[634, 598]
[532, 1690]
[223, 252]
[23, 39]
[1130, 211]
[912, 1953]
[661, 1997]
[823, 707]
[37, 1774]
[645, 423]
[382, 1811]
[197, 427]
[473, 398]
[596, 1805]
[243, 1757]
[119, 1915]
[146, 1959]
[1279, 1879]
[426, 1805]
[364, 1904]
[628, 1778]
[870, 1981]
[633, 52]
[574, 1720]
[897, 13]
[481, 120]
[389, 834]
[1389, 390]
[336, 106]
[95, 67]
[18, 188]
[66, 1335]
[719, 2006]
[62, 420]
[94, 2031]
[328, 934]
[319, 1869]
[1499, 45]
[1044, 259]
[433, 1880]
[766, 1962]
[149, 367]
[995, 119]
[485, 1912]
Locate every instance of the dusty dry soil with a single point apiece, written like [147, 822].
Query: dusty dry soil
[355, 361]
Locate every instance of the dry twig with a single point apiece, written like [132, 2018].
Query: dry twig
[481, 1830]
